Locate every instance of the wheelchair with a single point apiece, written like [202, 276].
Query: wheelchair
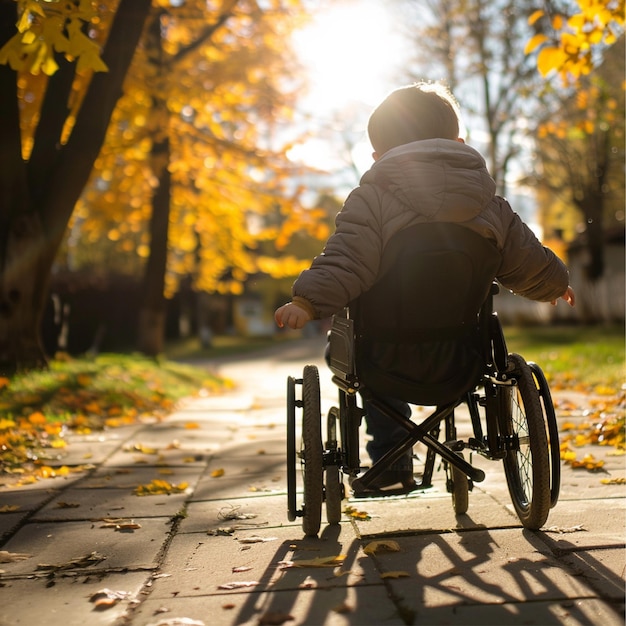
[425, 333]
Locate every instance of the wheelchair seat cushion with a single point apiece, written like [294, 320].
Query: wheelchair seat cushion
[417, 328]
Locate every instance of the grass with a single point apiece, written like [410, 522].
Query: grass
[584, 356]
[39, 408]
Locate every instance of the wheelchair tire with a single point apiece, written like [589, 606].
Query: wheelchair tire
[527, 465]
[460, 489]
[333, 486]
[553, 431]
[311, 453]
[292, 512]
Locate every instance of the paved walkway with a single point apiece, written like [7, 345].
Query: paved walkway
[222, 553]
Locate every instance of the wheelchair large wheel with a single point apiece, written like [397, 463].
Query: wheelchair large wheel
[553, 431]
[526, 463]
[292, 511]
[311, 453]
[333, 486]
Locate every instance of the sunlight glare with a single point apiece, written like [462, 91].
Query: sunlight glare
[351, 52]
[352, 56]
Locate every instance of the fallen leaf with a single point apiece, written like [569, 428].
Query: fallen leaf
[243, 568]
[217, 473]
[106, 598]
[613, 481]
[384, 545]
[83, 561]
[13, 557]
[320, 561]
[356, 514]
[226, 530]
[232, 512]
[398, 574]
[160, 487]
[256, 539]
[9, 508]
[192, 425]
[239, 585]
[572, 529]
[67, 505]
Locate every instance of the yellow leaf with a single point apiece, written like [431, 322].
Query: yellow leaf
[37, 418]
[397, 574]
[217, 473]
[321, 561]
[384, 545]
[535, 42]
[549, 59]
[192, 425]
[535, 16]
[9, 508]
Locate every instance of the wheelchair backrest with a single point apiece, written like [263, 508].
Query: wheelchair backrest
[432, 282]
[417, 331]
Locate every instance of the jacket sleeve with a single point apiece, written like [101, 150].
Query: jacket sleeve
[528, 268]
[349, 264]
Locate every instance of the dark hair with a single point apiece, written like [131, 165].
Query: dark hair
[412, 113]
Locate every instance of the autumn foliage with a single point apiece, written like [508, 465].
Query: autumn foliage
[567, 42]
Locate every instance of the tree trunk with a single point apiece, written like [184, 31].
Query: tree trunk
[37, 198]
[151, 330]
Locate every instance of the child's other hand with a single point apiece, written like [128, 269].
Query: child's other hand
[291, 315]
[568, 296]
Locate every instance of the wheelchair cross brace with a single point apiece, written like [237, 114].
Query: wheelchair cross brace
[416, 432]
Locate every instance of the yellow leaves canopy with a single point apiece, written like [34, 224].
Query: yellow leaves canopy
[596, 22]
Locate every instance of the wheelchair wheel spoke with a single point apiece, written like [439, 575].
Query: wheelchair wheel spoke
[527, 466]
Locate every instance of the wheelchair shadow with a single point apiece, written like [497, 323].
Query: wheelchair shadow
[470, 575]
[275, 598]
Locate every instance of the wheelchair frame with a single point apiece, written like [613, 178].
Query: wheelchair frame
[512, 419]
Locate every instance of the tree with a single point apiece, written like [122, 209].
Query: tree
[580, 149]
[195, 138]
[39, 190]
[476, 47]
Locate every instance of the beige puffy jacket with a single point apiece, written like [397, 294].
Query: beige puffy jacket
[435, 180]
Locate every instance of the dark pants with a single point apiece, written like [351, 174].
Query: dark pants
[386, 433]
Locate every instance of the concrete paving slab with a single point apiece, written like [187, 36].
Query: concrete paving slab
[262, 511]
[602, 569]
[197, 564]
[26, 499]
[588, 523]
[129, 477]
[241, 486]
[99, 503]
[67, 599]
[56, 545]
[94, 447]
[580, 612]
[431, 510]
[336, 606]
[478, 567]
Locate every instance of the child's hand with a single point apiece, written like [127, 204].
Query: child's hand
[568, 296]
[291, 315]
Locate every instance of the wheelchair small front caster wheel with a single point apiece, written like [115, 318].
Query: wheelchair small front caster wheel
[460, 489]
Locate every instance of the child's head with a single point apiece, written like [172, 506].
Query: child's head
[412, 113]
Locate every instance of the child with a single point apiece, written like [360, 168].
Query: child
[423, 172]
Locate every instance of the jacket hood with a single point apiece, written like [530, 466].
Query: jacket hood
[435, 176]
